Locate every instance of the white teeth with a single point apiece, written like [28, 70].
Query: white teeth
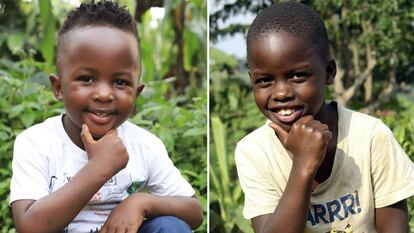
[101, 114]
[286, 112]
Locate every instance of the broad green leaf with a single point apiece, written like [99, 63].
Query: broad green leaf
[49, 29]
[15, 42]
[194, 132]
[16, 110]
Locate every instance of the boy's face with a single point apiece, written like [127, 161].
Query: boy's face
[98, 81]
[288, 77]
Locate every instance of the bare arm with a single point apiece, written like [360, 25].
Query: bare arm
[41, 215]
[186, 208]
[292, 209]
[129, 214]
[291, 212]
[393, 218]
[68, 201]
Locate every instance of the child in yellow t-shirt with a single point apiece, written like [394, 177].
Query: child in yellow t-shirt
[314, 166]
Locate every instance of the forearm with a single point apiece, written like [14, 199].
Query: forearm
[185, 208]
[292, 209]
[55, 211]
[392, 219]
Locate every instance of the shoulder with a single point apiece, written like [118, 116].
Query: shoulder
[255, 138]
[357, 118]
[45, 131]
[258, 146]
[359, 123]
[364, 132]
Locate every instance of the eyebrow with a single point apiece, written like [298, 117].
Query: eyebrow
[294, 68]
[122, 73]
[96, 72]
[88, 69]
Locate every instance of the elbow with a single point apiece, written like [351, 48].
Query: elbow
[28, 228]
[198, 220]
[197, 215]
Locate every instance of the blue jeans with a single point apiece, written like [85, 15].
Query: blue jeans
[164, 224]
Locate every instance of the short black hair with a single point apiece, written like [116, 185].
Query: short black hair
[295, 19]
[103, 13]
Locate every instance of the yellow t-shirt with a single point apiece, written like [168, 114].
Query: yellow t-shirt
[370, 171]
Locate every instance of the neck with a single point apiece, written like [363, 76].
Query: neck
[328, 114]
[73, 132]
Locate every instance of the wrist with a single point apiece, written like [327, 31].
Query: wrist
[99, 171]
[305, 171]
[142, 202]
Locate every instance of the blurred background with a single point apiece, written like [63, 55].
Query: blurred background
[174, 102]
[373, 44]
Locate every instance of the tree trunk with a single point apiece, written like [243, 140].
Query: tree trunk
[143, 6]
[179, 22]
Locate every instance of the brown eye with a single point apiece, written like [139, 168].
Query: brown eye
[300, 76]
[263, 80]
[86, 79]
[121, 82]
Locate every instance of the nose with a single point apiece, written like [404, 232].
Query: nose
[281, 91]
[103, 92]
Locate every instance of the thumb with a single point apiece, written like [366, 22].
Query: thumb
[86, 136]
[280, 132]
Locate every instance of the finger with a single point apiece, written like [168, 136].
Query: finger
[132, 230]
[111, 132]
[317, 125]
[86, 136]
[323, 127]
[103, 230]
[327, 135]
[281, 133]
[119, 229]
[305, 119]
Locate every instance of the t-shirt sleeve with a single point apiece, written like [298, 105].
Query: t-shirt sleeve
[164, 178]
[392, 170]
[260, 197]
[30, 171]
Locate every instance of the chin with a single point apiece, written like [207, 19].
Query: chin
[285, 126]
[98, 133]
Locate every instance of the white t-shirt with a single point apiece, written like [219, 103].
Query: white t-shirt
[370, 171]
[45, 159]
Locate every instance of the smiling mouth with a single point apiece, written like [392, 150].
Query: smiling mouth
[286, 112]
[102, 114]
[99, 116]
[287, 115]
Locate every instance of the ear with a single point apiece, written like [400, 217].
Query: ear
[140, 87]
[250, 74]
[57, 88]
[330, 71]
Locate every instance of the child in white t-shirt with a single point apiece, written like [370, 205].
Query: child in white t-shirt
[314, 166]
[82, 171]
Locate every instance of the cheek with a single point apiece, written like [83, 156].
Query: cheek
[313, 94]
[127, 99]
[259, 97]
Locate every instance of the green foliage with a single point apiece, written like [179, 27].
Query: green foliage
[180, 122]
[402, 125]
[225, 194]
[23, 103]
[233, 115]
[372, 42]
